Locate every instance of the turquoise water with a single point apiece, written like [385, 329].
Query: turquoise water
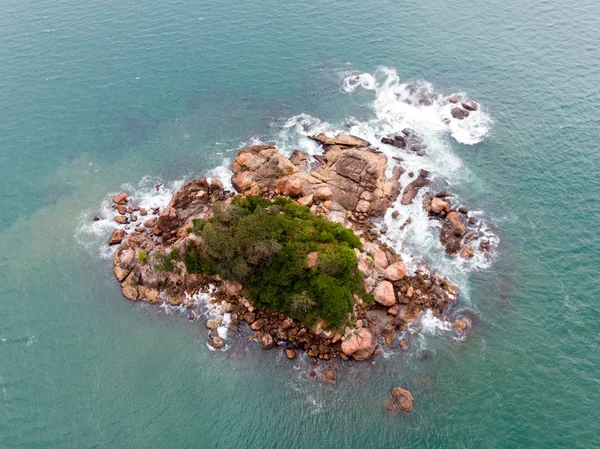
[95, 96]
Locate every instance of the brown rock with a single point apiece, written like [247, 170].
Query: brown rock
[324, 193]
[359, 344]
[117, 237]
[266, 341]
[467, 252]
[143, 212]
[438, 206]
[306, 200]
[404, 344]
[232, 288]
[122, 209]
[216, 342]
[150, 223]
[257, 325]
[121, 198]
[459, 113]
[394, 310]
[403, 399]
[453, 230]
[290, 353]
[121, 219]
[461, 324]
[470, 105]
[249, 317]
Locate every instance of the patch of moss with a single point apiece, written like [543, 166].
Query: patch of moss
[142, 256]
[265, 244]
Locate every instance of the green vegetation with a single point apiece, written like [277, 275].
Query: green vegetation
[265, 245]
[142, 256]
[166, 262]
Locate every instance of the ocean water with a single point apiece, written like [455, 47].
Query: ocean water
[104, 96]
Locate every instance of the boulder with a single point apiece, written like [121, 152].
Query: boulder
[232, 288]
[455, 99]
[289, 186]
[470, 105]
[290, 353]
[395, 271]
[359, 344]
[306, 200]
[298, 157]
[384, 294]
[121, 198]
[324, 193]
[266, 341]
[459, 113]
[258, 325]
[404, 344]
[216, 342]
[461, 324]
[120, 219]
[467, 252]
[438, 206]
[117, 237]
[214, 324]
[453, 230]
[143, 212]
[403, 399]
[150, 223]
[259, 166]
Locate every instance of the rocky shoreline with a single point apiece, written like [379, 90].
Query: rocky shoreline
[347, 184]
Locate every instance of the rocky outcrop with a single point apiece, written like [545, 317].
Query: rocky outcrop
[459, 113]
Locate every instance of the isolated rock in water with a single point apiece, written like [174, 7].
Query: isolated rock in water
[459, 113]
[470, 105]
[395, 271]
[290, 353]
[403, 399]
[412, 189]
[384, 294]
[121, 198]
[455, 99]
[117, 237]
[461, 324]
[344, 140]
[328, 375]
[453, 230]
[216, 342]
[360, 344]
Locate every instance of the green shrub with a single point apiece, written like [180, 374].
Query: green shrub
[142, 256]
[166, 262]
[264, 244]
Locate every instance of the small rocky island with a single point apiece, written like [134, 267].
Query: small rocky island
[294, 253]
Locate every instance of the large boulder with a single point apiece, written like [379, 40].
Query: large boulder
[470, 105]
[359, 344]
[259, 166]
[403, 399]
[395, 271]
[384, 294]
[117, 237]
[353, 175]
[439, 205]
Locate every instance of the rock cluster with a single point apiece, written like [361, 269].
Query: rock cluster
[348, 184]
[407, 140]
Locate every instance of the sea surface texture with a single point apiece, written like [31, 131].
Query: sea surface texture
[100, 97]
